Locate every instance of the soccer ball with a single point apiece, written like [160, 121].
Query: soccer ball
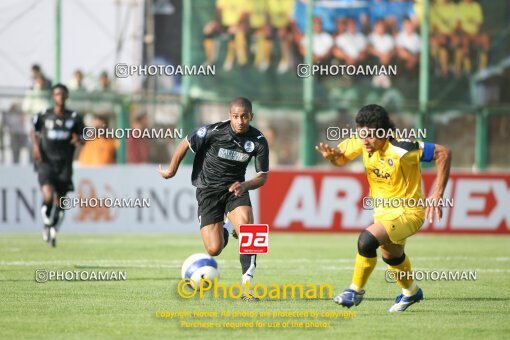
[199, 266]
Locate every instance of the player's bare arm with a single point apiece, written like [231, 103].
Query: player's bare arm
[335, 156]
[36, 152]
[443, 159]
[238, 188]
[178, 156]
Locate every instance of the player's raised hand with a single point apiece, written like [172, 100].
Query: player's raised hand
[328, 152]
[166, 174]
[434, 210]
[237, 188]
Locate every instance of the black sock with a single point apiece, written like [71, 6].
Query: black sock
[49, 207]
[248, 264]
[57, 215]
[225, 237]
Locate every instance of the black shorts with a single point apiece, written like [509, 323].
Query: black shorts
[214, 203]
[57, 174]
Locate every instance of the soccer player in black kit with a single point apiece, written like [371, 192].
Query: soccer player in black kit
[222, 153]
[56, 133]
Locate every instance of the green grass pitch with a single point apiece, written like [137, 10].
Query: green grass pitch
[127, 309]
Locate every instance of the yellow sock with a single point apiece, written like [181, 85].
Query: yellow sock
[443, 60]
[209, 50]
[459, 55]
[405, 281]
[259, 51]
[363, 267]
[240, 48]
[467, 65]
[268, 44]
[230, 53]
[484, 59]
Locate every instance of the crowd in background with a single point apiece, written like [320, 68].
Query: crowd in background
[17, 121]
[270, 35]
[346, 31]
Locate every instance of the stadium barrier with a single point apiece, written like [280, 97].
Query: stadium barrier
[332, 201]
[291, 201]
[173, 207]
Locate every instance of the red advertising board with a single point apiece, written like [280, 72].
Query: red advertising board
[331, 201]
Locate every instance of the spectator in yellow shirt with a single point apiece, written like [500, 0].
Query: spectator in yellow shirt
[280, 15]
[444, 39]
[470, 22]
[229, 18]
[260, 32]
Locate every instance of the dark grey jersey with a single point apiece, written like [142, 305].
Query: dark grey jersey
[55, 134]
[221, 156]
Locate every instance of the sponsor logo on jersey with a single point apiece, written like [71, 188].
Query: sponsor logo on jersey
[49, 124]
[69, 123]
[381, 174]
[233, 155]
[249, 146]
[57, 134]
[201, 132]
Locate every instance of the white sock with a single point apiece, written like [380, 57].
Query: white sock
[356, 288]
[411, 290]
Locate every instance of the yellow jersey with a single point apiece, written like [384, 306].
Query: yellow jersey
[444, 16]
[280, 12]
[392, 172]
[231, 11]
[470, 17]
[258, 11]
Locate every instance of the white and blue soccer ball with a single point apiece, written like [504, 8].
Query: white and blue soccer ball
[199, 266]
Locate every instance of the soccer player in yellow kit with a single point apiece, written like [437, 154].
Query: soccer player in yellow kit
[393, 171]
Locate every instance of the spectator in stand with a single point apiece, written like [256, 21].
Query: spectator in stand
[322, 43]
[99, 151]
[76, 83]
[38, 77]
[230, 18]
[382, 48]
[473, 39]
[408, 45]
[14, 121]
[137, 150]
[378, 11]
[37, 99]
[382, 45]
[260, 33]
[104, 82]
[350, 46]
[280, 16]
[398, 11]
[444, 39]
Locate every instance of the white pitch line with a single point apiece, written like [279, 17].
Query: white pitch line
[223, 261]
[225, 264]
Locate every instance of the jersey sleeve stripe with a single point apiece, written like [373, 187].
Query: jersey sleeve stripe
[189, 145]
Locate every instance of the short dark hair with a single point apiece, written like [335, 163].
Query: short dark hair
[60, 86]
[241, 102]
[375, 117]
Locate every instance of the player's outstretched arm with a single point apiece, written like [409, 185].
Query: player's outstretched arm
[443, 159]
[179, 154]
[256, 182]
[335, 156]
